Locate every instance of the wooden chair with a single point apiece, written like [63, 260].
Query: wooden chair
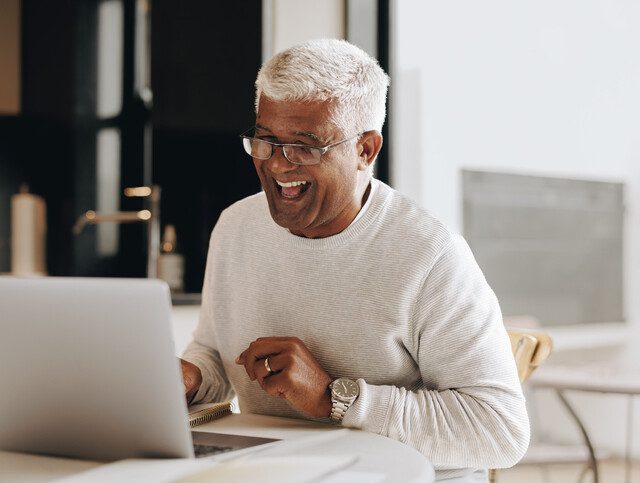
[530, 349]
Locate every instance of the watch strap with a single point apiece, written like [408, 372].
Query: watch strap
[338, 410]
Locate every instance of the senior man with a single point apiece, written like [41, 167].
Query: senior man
[330, 295]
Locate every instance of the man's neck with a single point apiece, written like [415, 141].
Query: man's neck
[351, 219]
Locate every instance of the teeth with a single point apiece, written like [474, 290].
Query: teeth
[291, 184]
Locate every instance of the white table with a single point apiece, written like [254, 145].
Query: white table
[613, 377]
[375, 454]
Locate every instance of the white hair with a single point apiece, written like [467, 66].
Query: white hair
[329, 70]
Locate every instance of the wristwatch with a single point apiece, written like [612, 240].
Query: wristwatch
[343, 393]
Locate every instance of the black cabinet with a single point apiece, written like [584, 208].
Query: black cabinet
[205, 57]
[203, 63]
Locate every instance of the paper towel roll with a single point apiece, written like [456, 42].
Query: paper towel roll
[28, 234]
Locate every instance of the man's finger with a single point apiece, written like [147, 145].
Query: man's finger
[188, 381]
[262, 366]
[191, 378]
[259, 350]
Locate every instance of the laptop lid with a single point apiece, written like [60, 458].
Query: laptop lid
[88, 369]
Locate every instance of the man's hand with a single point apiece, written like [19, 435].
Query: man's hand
[192, 379]
[296, 375]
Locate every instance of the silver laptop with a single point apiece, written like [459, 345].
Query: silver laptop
[88, 369]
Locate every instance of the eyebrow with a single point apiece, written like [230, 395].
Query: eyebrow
[309, 135]
[297, 133]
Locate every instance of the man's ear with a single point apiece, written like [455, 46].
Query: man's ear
[368, 147]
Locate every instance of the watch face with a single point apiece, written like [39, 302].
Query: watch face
[345, 388]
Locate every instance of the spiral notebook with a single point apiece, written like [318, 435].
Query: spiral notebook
[203, 413]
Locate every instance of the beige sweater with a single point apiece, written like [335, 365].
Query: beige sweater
[395, 301]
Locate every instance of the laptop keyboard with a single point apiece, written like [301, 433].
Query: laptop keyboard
[210, 444]
[202, 450]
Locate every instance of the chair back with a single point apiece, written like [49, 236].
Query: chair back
[530, 349]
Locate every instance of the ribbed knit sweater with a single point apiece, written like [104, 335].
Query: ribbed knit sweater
[395, 301]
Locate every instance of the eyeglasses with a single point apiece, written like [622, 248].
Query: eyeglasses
[301, 154]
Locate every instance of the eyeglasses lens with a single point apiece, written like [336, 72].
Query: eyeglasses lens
[301, 155]
[257, 148]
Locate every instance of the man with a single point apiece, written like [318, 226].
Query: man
[329, 274]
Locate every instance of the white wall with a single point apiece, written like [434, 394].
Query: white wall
[544, 87]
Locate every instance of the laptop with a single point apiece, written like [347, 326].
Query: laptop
[88, 369]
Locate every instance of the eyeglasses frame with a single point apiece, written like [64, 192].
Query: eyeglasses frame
[321, 149]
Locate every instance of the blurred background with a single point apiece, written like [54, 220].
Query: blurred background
[516, 123]
[113, 94]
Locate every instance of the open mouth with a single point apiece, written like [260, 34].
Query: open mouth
[293, 189]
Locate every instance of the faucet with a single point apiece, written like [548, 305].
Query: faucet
[151, 216]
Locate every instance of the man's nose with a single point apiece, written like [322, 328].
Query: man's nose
[278, 163]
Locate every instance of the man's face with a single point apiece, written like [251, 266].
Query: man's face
[331, 193]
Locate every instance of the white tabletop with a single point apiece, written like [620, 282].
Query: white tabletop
[605, 377]
[384, 458]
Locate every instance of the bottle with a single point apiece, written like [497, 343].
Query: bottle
[171, 263]
[28, 234]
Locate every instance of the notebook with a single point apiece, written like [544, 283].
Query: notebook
[203, 413]
[88, 370]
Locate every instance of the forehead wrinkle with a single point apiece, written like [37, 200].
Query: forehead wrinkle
[307, 134]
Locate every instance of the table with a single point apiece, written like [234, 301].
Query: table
[391, 460]
[601, 377]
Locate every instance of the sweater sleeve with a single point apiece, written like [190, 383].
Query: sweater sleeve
[470, 411]
[203, 351]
